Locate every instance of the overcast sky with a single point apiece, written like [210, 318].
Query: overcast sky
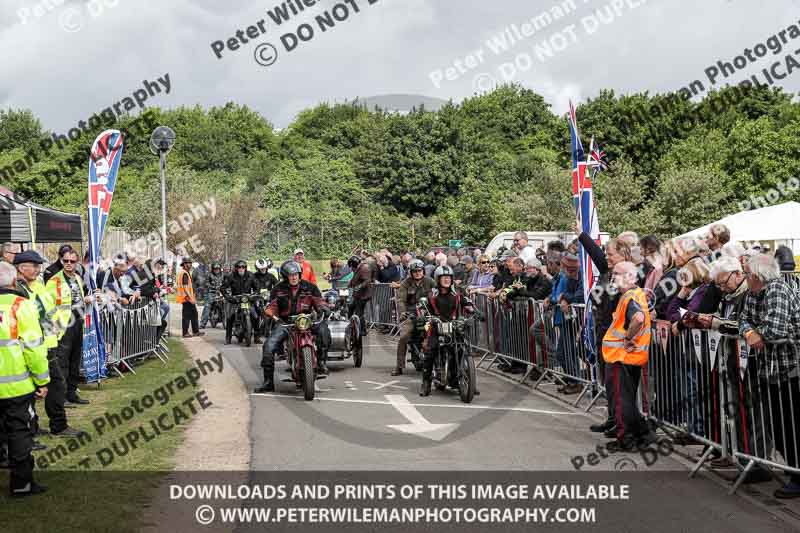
[74, 59]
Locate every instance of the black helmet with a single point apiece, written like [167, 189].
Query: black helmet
[240, 263]
[353, 262]
[415, 265]
[442, 271]
[290, 267]
[215, 266]
[331, 298]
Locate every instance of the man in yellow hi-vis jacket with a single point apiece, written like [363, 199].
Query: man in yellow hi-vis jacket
[626, 347]
[29, 265]
[23, 375]
[69, 293]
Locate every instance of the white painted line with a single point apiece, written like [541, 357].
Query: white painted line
[419, 425]
[387, 384]
[388, 345]
[317, 388]
[446, 406]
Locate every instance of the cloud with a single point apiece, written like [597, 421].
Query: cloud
[389, 47]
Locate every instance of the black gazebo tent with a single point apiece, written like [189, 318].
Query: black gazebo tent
[22, 221]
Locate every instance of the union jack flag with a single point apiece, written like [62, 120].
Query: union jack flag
[597, 158]
[587, 221]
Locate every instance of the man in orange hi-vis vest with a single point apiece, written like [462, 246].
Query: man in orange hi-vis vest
[625, 350]
[185, 296]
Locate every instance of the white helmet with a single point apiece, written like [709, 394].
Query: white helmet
[262, 263]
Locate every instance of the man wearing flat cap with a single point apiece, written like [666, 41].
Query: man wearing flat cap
[29, 264]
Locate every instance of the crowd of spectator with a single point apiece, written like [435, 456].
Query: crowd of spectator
[689, 284]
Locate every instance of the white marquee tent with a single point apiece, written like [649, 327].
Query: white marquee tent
[774, 225]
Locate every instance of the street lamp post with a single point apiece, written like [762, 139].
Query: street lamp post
[225, 233]
[161, 142]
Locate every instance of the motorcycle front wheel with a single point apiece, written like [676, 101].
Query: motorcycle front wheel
[308, 374]
[466, 378]
[247, 331]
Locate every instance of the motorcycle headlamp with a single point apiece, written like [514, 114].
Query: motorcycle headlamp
[302, 322]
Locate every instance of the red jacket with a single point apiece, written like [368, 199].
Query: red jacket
[308, 273]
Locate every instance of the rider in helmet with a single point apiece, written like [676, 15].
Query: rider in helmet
[446, 304]
[264, 282]
[362, 286]
[238, 283]
[414, 287]
[213, 286]
[292, 296]
[263, 278]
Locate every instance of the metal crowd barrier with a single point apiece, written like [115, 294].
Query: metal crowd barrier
[697, 384]
[132, 331]
[682, 391]
[763, 409]
[381, 310]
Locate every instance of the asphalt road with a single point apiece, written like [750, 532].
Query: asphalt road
[362, 419]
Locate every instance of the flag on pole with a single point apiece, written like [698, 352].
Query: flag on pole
[587, 222]
[103, 168]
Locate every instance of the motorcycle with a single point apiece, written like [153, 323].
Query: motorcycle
[453, 365]
[263, 326]
[345, 332]
[301, 353]
[415, 343]
[216, 314]
[242, 322]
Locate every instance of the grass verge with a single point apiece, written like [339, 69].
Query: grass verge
[88, 489]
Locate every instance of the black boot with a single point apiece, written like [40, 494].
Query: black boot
[425, 388]
[602, 428]
[269, 383]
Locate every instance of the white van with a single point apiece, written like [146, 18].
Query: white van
[537, 239]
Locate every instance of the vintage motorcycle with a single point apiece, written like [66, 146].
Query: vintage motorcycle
[346, 337]
[242, 321]
[262, 326]
[300, 350]
[453, 364]
[415, 343]
[216, 314]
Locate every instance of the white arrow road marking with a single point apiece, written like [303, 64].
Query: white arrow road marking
[349, 385]
[320, 389]
[419, 424]
[384, 385]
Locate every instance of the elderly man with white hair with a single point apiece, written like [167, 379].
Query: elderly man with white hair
[521, 248]
[770, 323]
[24, 375]
[626, 347]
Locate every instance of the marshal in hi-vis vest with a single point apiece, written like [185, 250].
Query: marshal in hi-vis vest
[184, 293]
[614, 341]
[46, 306]
[23, 357]
[60, 293]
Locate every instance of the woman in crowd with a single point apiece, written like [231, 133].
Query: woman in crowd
[482, 277]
